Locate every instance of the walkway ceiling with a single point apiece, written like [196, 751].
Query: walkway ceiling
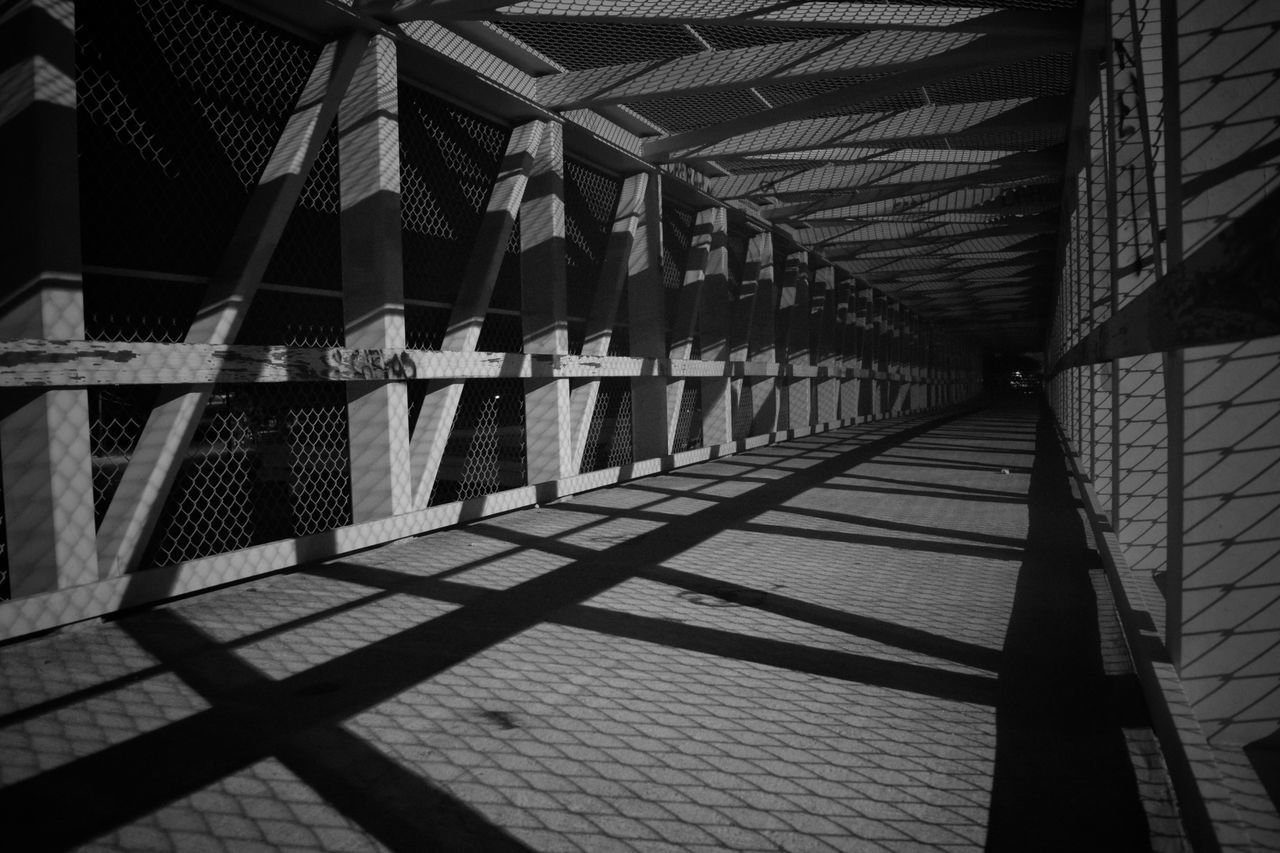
[918, 145]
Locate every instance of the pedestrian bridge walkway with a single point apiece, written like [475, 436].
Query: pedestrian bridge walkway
[891, 636]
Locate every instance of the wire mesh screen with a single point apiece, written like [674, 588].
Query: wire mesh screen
[737, 246]
[688, 435]
[590, 201]
[288, 318]
[448, 162]
[179, 105]
[120, 308]
[486, 448]
[117, 415]
[620, 341]
[588, 44]
[742, 410]
[501, 332]
[123, 308]
[309, 251]
[506, 291]
[677, 234]
[609, 436]
[268, 462]
[425, 325]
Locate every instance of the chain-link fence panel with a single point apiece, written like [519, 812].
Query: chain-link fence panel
[609, 436]
[743, 411]
[449, 160]
[288, 318]
[267, 463]
[180, 103]
[737, 245]
[486, 448]
[501, 332]
[425, 326]
[309, 253]
[590, 44]
[125, 308]
[117, 415]
[506, 290]
[688, 435]
[677, 236]
[590, 202]
[620, 341]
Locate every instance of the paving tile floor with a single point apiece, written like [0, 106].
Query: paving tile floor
[887, 637]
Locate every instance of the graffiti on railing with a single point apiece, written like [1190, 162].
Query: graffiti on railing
[370, 364]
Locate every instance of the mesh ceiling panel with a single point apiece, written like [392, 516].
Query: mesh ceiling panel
[866, 126]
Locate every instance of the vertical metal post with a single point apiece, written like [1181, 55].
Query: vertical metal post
[688, 301]
[48, 474]
[761, 334]
[741, 317]
[646, 310]
[544, 314]
[826, 314]
[373, 281]
[846, 347]
[714, 332]
[793, 303]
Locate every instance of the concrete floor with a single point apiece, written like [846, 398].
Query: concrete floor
[889, 637]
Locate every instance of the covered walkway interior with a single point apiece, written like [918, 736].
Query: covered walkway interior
[886, 637]
[582, 423]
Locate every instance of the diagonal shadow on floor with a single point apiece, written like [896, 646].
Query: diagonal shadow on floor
[252, 720]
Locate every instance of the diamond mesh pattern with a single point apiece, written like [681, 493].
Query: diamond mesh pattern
[787, 93]
[127, 310]
[729, 37]
[592, 44]
[116, 418]
[688, 434]
[501, 332]
[620, 342]
[1015, 139]
[677, 235]
[590, 200]
[486, 448]
[309, 253]
[448, 162]
[687, 112]
[898, 102]
[268, 462]
[609, 436]
[425, 325]
[118, 308]
[180, 103]
[287, 318]
[737, 245]
[1032, 78]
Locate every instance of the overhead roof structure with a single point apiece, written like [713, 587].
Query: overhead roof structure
[918, 145]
